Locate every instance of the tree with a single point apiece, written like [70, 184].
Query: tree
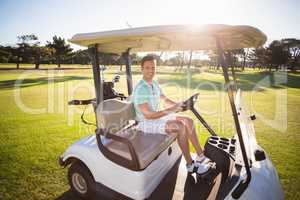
[232, 56]
[175, 61]
[4, 54]
[178, 60]
[293, 46]
[245, 57]
[61, 50]
[239, 54]
[190, 61]
[135, 59]
[260, 57]
[214, 59]
[159, 60]
[108, 58]
[22, 51]
[81, 57]
[39, 52]
[278, 54]
[30, 51]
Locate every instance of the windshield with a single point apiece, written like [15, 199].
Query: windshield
[247, 129]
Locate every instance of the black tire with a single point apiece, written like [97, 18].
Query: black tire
[81, 181]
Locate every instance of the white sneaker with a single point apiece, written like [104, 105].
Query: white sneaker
[202, 159]
[191, 168]
[203, 168]
[199, 168]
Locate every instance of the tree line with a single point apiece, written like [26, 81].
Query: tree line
[284, 53]
[28, 49]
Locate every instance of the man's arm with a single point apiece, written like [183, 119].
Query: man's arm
[148, 114]
[168, 101]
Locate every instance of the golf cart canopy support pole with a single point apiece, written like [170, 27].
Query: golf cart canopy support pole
[244, 183]
[96, 73]
[232, 70]
[126, 56]
[234, 78]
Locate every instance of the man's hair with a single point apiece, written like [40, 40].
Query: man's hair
[147, 58]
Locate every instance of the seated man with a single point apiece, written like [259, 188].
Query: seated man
[146, 98]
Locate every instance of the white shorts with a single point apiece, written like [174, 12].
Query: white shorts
[155, 126]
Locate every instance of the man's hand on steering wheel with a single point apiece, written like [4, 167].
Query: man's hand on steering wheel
[190, 102]
[185, 105]
[177, 107]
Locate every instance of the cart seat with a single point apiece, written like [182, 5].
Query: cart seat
[114, 116]
[147, 146]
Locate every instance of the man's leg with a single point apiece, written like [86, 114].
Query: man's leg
[191, 132]
[178, 128]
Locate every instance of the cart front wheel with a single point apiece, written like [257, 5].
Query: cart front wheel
[81, 181]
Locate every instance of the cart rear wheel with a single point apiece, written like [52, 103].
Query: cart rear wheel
[81, 181]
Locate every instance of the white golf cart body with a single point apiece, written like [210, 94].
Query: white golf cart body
[265, 182]
[134, 184]
[142, 183]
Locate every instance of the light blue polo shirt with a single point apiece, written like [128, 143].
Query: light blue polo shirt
[146, 93]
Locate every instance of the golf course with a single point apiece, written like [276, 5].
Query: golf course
[149, 100]
[37, 125]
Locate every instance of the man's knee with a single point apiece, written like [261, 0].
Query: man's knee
[182, 129]
[190, 121]
[176, 126]
[187, 121]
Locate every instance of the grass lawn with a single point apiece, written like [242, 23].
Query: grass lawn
[37, 125]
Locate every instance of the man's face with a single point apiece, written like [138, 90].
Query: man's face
[148, 69]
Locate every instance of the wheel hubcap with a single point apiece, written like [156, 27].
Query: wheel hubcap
[79, 183]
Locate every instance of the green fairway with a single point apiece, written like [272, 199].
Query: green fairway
[37, 125]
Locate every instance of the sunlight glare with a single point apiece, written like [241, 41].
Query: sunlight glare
[203, 11]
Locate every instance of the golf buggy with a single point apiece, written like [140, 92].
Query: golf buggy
[120, 162]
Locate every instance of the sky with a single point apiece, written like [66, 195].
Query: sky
[46, 18]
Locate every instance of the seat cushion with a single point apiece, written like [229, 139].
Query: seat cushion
[147, 146]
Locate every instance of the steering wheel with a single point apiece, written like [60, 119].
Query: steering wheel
[189, 103]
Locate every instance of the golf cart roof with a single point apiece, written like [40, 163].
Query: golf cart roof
[172, 38]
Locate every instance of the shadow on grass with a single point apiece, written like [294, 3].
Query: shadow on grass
[157, 73]
[275, 80]
[9, 84]
[43, 69]
[68, 195]
[204, 84]
[245, 81]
